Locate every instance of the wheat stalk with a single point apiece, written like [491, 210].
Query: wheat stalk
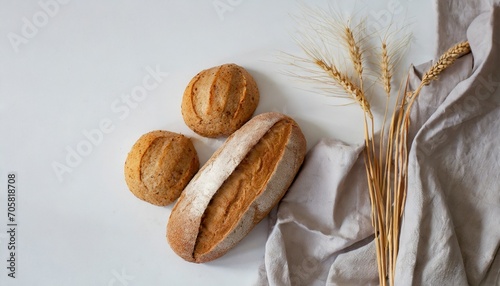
[400, 170]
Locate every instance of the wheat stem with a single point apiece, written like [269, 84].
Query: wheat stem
[386, 71]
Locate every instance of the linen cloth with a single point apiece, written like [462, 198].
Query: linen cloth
[450, 233]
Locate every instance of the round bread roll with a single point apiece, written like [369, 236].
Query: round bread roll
[159, 166]
[219, 100]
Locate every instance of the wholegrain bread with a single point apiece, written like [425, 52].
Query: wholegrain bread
[219, 100]
[159, 166]
[236, 188]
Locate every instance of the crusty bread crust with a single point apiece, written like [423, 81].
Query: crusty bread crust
[159, 166]
[186, 218]
[219, 100]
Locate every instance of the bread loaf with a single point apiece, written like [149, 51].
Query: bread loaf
[159, 166]
[236, 188]
[219, 100]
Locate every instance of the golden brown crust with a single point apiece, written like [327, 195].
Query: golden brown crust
[159, 166]
[236, 188]
[219, 100]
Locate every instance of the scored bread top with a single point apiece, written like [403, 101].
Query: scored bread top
[199, 238]
[219, 100]
[159, 166]
[240, 189]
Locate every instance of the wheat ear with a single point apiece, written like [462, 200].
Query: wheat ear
[385, 66]
[350, 88]
[354, 53]
[446, 60]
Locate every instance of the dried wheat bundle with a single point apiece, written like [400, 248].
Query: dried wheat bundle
[386, 164]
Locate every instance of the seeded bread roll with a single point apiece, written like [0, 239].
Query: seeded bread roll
[219, 100]
[236, 188]
[159, 166]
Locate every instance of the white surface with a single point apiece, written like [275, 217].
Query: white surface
[70, 75]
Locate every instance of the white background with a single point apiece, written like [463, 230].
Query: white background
[84, 227]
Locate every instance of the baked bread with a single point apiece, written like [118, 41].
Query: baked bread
[159, 166]
[219, 100]
[236, 188]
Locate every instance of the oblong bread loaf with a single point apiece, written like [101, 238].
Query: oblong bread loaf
[237, 187]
